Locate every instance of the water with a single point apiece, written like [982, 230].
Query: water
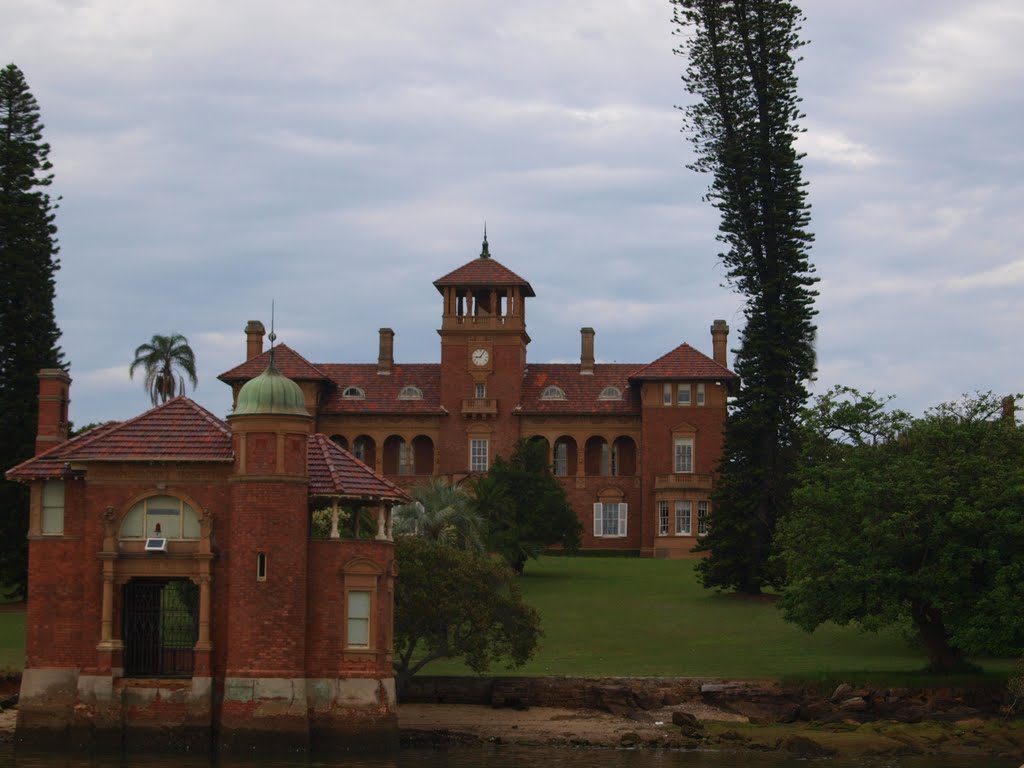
[514, 757]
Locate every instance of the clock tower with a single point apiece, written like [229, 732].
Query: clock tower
[483, 357]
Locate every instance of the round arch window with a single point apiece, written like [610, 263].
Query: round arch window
[163, 517]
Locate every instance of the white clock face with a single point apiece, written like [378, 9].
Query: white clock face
[480, 357]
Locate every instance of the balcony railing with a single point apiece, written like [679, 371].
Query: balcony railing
[480, 406]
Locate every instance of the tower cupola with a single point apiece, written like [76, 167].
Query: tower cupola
[270, 393]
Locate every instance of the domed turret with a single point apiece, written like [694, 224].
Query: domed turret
[270, 393]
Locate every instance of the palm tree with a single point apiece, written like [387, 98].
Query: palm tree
[159, 358]
[442, 513]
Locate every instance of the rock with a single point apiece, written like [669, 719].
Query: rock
[840, 692]
[616, 699]
[630, 740]
[685, 718]
[953, 714]
[718, 687]
[816, 710]
[648, 700]
[691, 732]
[801, 746]
[765, 711]
[854, 704]
[9, 701]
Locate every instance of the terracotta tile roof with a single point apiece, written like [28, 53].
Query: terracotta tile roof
[684, 362]
[51, 463]
[288, 362]
[334, 472]
[178, 430]
[582, 393]
[483, 271]
[382, 391]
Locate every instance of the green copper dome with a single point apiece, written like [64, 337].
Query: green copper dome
[270, 393]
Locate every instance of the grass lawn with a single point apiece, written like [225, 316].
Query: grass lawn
[629, 616]
[12, 641]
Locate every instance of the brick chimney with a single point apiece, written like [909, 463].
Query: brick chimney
[254, 332]
[1009, 404]
[587, 351]
[386, 358]
[720, 342]
[54, 390]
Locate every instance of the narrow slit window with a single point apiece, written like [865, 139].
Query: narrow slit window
[261, 566]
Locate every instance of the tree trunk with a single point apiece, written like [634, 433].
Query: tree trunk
[942, 657]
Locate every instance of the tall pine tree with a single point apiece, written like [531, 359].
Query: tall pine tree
[28, 329]
[743, 124]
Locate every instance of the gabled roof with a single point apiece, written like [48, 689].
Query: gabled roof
[582, 393]
[682, 363]
[336, 473]
[289, 363]
[382, 391]
[483, 271]
[178, 430]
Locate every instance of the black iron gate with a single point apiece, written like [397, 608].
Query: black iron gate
[160, 628]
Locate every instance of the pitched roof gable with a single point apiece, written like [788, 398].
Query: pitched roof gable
[336, 473]
[682, 363]
[178, 430]
[483, 271]
[289, 362]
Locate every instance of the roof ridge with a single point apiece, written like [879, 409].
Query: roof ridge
[208, 415]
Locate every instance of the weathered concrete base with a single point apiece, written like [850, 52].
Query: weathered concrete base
[63, 709]
[308, 714]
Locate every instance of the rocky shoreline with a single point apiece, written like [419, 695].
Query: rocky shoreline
[689, 713]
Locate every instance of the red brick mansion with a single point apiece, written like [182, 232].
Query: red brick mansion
[634, 444]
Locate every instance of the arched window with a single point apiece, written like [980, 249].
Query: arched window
[610, 393]
[353, 393]
[565, 457]
[410, 393]
[163, 517]
[553, 392]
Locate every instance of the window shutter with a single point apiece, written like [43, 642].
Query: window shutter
[623, 507]
[598, 508]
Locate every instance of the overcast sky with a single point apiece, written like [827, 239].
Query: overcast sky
[338, 156]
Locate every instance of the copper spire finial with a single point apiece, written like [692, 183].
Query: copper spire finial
[485, 253]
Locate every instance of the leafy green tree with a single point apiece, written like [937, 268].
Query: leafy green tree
[28, 328]
[525, 507]
[743, 124]
[160, 358]
[452, 603]
[441, 512]
[913, 520]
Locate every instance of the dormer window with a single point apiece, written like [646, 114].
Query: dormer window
[410, 393]
[610, 393]
[353, 393]
[553, 392]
